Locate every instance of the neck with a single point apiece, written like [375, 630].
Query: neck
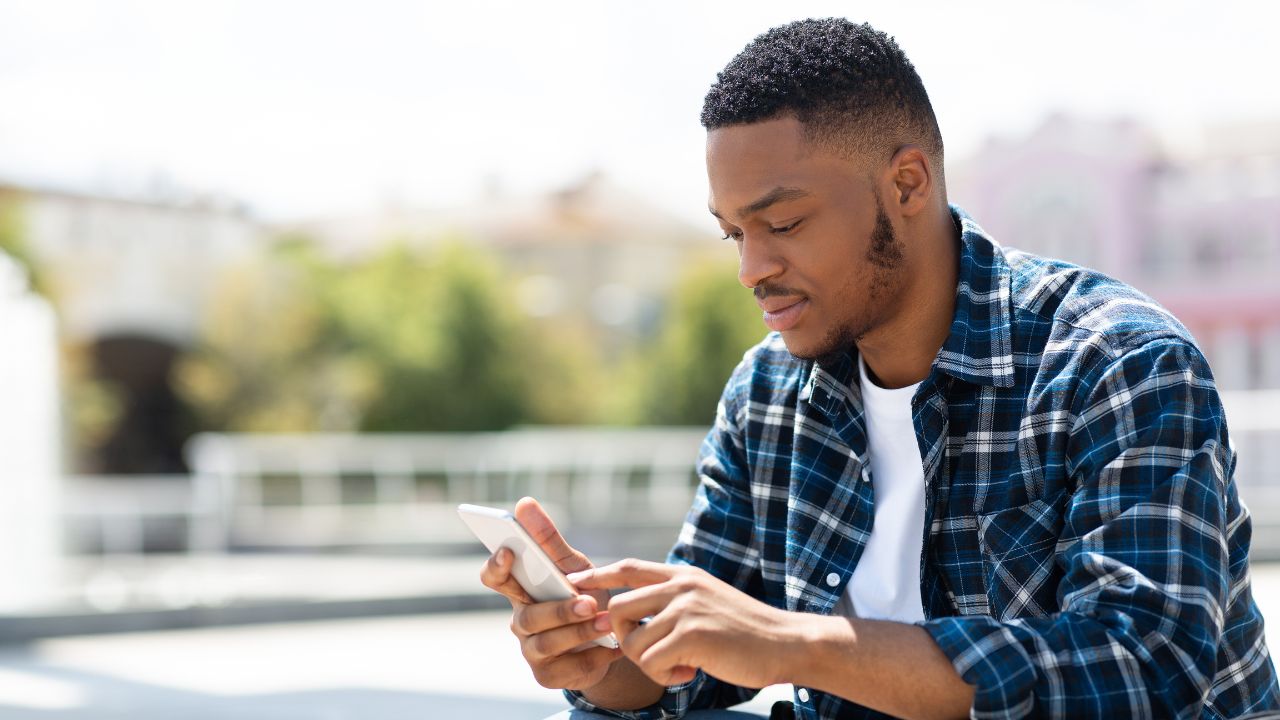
[901, 351]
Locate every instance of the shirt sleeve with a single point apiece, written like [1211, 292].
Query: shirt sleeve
[717, 537]
[1145, 557]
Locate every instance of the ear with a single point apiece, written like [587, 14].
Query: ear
[911, 175]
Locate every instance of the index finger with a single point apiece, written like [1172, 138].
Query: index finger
[624, 573]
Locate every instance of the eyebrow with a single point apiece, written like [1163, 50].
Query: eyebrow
[776, 195]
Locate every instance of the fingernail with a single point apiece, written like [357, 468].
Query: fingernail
[602, 623]
[502, 558]
[582, 607]
[577, 576]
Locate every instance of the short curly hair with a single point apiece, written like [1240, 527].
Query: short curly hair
[850, 85]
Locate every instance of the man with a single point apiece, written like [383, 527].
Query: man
[957, 479]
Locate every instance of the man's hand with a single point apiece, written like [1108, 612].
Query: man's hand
[550, 631]
[695, 621]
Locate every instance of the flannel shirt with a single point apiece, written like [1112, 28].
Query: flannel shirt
[1085, 550]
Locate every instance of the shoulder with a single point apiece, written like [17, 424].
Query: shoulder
[1086, 318]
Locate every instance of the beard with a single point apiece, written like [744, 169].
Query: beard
[884, 256]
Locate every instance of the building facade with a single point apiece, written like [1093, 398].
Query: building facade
[1198, 231]
[130, 280]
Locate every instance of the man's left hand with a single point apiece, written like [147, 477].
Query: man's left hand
[695, 621]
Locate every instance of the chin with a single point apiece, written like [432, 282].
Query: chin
[801, 347]
[804, 346]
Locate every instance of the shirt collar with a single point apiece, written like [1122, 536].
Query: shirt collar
[979, 348]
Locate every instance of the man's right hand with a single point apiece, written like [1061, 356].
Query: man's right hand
[549, 632]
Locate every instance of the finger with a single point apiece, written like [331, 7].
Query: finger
[579, 670]
[562, 640]
[635, 639]
[496, 575]
[665, 661]
[624, 573]
[541, 617]
[658, 652]
[538, 524]
[626, 611]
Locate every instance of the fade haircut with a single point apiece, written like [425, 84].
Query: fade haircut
[851, 87]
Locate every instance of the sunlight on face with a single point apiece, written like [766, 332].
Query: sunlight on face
[814, 242]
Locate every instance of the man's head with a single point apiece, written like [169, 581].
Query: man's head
[851, 87]
[824, 156]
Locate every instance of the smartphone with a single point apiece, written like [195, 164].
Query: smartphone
[533, 568]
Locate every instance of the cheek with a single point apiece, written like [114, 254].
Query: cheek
[837, 280]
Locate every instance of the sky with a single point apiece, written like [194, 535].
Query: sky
[307, 110]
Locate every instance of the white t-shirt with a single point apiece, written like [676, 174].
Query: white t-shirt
[886, 583]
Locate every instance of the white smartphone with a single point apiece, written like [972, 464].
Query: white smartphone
[533, 568]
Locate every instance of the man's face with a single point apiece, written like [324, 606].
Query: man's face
[815, 243]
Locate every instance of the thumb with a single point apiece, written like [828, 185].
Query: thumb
[538, 524]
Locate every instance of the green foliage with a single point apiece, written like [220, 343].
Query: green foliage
[443, 337]
[407, 340]
[13, 240]
[263, 361]
[710, 322]
[413, 339]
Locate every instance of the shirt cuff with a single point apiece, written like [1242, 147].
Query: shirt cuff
[674, 703]
[987, 654]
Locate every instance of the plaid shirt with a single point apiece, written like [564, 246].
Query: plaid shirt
[1085, 551]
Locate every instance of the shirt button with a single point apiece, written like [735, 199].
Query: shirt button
[803, 695]
[833, 580]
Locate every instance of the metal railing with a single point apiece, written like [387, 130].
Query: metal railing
[326, 490]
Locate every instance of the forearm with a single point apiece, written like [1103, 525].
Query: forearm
[892, 667]
[625, 687]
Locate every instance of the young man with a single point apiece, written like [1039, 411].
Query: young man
[957, 479]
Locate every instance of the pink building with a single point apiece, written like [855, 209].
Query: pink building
[1199, 232]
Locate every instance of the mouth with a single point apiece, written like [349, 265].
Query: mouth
[782, 317]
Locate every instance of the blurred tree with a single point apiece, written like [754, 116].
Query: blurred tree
[407, 340]
[710, 323]
[13, 239]
[261, 363]
[443, 337]
[566, 376]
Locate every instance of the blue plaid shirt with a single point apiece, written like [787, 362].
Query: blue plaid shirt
[1085, 551]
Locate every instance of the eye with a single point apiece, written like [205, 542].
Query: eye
[784, 229]
[735, 235]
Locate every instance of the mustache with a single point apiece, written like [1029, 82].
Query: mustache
[765, 290]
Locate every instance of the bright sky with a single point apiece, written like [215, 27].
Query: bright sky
[308, 109]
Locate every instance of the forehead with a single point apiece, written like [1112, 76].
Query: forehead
[745, 162]
[770, 146]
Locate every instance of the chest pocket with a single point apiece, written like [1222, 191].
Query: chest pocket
[1019, 558]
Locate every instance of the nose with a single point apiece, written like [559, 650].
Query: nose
[756, 262]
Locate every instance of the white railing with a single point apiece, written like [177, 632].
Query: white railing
[322, 489]
[114, 509]
[385, 489]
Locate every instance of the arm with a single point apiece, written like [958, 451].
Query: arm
[1141, 601]
[892, 667]
[696, 620]
[1145, 573]
[716, 537]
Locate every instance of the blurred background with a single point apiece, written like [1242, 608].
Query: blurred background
[282, 283]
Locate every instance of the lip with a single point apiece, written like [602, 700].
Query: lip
[781, 319]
